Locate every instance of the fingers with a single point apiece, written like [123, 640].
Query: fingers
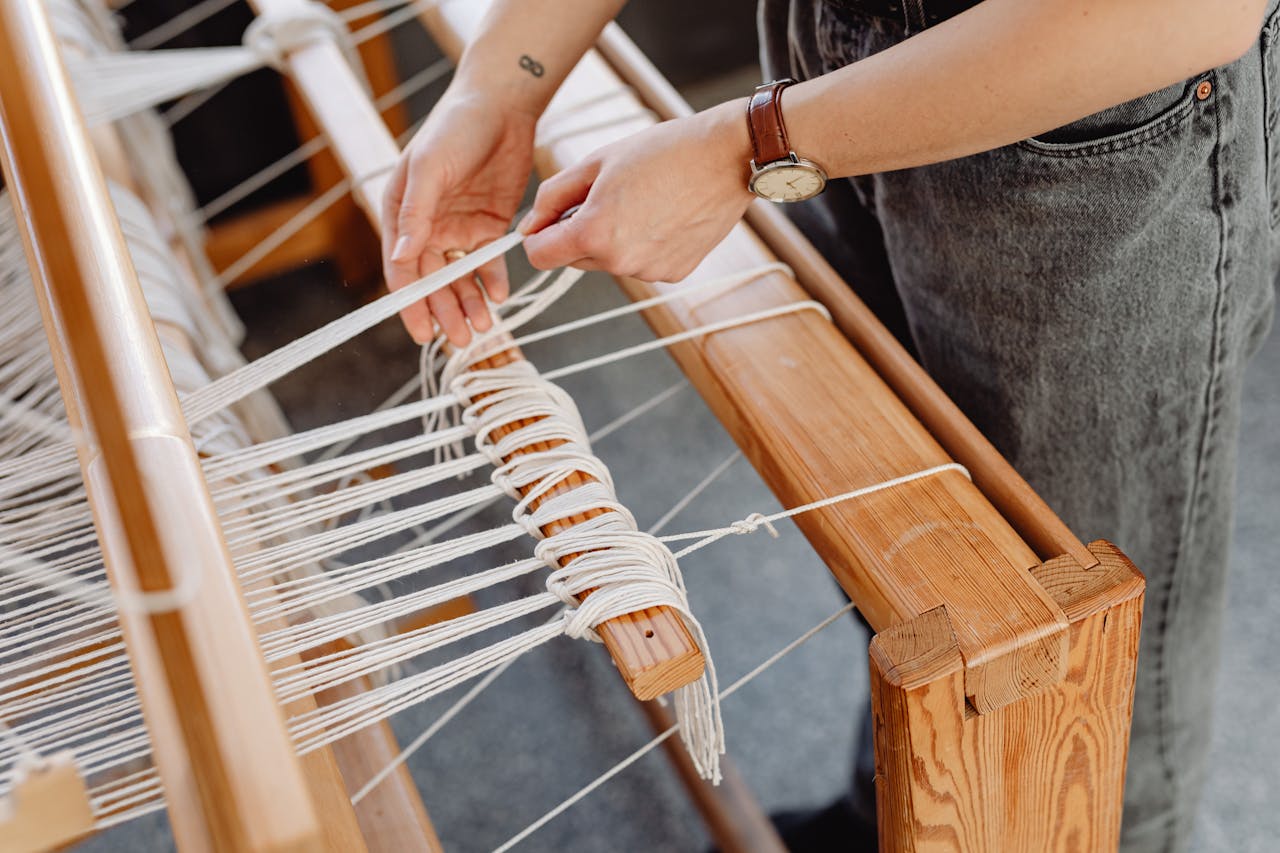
[417, 317]
[471, 299]
[496, 281]
[576, 242]
[412, 218]
[558, 194]
[391, 198]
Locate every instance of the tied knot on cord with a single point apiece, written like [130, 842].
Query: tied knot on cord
[275, 34]
[752, 523]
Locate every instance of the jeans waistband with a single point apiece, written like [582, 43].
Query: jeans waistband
[915, 14]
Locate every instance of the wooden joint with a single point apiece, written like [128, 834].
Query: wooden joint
[47, 808]
[1084, 589]
[917, 652]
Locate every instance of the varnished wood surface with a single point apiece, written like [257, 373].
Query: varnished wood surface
[230, 239]
[652, 648]
[367, 153]
[1003, 486]
[340, 831]
[1045, 773]
[816, 420]
[228, 767]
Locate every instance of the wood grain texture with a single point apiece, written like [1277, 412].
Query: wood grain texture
[816, 420]
[652, 648]
[231, 238]
[654, 651]
[1045, 773]
[1004, 487]
[339, 828]
[230, 775]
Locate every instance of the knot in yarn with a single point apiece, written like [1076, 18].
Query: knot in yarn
[752, 523]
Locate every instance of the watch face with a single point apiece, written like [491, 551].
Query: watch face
[787, 181]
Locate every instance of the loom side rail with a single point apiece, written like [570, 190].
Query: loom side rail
[231, 778]
[1025, 510]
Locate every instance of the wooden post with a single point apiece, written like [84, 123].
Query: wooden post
[1045, 773]
[231, 778]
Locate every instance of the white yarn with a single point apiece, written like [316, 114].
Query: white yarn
[112, 85]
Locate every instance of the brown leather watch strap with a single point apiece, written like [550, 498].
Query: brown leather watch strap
[764, 121]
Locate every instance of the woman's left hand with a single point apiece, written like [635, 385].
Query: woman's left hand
[652, 205]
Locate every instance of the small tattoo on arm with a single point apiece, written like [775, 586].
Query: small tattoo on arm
[533, 66]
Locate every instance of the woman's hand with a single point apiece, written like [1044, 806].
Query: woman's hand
[456, 187]
[653, 205]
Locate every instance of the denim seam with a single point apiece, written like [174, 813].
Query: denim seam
[1093, 149]
[1271, 113]
[1172, 588]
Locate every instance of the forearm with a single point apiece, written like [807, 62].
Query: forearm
[526, 48]
[1006, 70]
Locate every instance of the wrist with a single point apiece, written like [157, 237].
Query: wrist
[729, 138]
[475, 81]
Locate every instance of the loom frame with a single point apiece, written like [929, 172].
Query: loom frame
[946, 693]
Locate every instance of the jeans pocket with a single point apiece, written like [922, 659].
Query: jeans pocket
[1117, 128]
[1271, 94]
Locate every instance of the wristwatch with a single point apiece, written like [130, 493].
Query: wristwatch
[777, 173]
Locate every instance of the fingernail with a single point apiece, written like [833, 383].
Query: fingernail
[525, 223]
[401, 249]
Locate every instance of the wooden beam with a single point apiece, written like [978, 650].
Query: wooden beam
[231, 778]
[231, 238]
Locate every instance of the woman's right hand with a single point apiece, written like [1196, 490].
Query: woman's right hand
[456, 187]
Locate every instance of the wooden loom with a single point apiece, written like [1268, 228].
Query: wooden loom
[1003, 666]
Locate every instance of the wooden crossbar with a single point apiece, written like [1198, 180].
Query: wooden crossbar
[982, 648]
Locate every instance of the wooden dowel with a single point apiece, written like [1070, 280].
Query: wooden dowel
[339, 827]
[652, 650]
[230, 775]
[1025, 510]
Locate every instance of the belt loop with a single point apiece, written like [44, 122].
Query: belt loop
[913, 12]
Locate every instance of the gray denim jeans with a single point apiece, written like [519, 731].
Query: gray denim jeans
[1090, 299]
